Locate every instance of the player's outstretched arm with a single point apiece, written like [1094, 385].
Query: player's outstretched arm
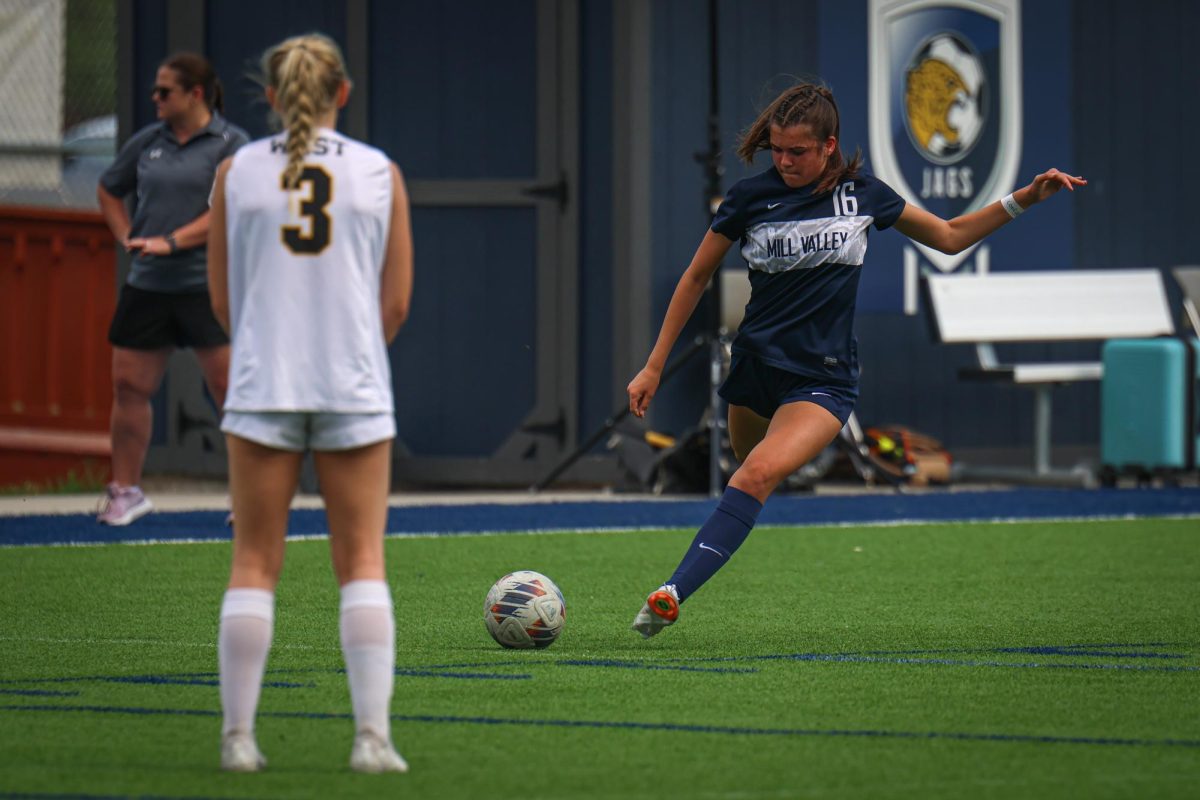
[683, 302]
[956, 235]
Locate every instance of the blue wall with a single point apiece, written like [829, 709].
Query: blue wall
[1134, 96]
[236, 40]
[596, 392]
[457, 101]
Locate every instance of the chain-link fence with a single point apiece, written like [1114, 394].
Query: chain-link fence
[58, 100]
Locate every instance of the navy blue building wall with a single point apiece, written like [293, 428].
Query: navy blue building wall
[457, 101]
[236, 40]
[1134, 91]
[596, 393]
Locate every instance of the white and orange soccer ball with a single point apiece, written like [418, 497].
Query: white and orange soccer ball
[524, 609]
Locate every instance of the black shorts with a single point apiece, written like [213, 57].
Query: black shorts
[763, 388]
[147, 320]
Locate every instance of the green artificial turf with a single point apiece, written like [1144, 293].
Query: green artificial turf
[959, 660]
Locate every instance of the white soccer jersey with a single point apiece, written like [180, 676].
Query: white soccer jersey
[304, 274]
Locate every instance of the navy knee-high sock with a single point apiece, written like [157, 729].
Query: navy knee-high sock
[716, 541]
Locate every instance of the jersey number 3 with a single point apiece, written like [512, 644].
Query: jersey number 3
[318, 191]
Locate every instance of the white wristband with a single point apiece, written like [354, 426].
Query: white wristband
[1011, 206]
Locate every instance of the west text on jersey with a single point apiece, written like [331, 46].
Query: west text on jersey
[321, 147]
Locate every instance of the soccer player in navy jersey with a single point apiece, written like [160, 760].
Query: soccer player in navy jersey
[793, 379]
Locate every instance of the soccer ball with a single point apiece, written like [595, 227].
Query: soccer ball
[524, 609]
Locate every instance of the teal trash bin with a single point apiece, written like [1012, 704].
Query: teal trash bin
[1148, 405]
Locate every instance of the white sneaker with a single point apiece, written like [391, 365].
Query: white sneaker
[372, 753]
[239, 753]
[660, 610]
[122, 505]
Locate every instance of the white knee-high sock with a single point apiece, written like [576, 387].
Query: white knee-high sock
[369, 645]
[247, 624]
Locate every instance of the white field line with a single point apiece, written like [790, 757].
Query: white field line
[894, 523]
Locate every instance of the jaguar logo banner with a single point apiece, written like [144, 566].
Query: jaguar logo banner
[945, 104]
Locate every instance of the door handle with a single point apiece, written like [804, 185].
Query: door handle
[556, 191]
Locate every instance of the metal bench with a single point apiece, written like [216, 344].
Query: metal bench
[1075, 305]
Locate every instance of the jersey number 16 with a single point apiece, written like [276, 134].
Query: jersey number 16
[844, 203]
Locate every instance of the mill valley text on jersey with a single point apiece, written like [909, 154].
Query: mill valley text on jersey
[804, 253]
[802, 244]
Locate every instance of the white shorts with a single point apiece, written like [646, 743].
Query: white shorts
[310, 430]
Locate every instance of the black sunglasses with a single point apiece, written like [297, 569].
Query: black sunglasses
[161, 92]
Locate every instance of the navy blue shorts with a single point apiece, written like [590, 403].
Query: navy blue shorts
[763, 388]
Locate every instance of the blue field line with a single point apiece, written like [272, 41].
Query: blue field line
[785, 510]
[609, 662]
[856, 658]
[432, 673]
[1113, 650]
[1100, 650]
[917, 658]
[190, 679]
[950, 662]
[728, 730]
[516, 662]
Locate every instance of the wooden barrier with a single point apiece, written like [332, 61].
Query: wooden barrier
[57, 295]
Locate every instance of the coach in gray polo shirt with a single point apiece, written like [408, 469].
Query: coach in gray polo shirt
[168, 168]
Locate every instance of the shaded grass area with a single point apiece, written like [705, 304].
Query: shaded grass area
[999, 660]
[90, 478]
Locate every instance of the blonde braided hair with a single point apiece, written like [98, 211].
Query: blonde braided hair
[306, 73]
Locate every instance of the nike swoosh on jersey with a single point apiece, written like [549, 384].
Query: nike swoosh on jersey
[773, 205]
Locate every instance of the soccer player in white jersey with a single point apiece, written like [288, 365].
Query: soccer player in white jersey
[793, 379]
[310, 270]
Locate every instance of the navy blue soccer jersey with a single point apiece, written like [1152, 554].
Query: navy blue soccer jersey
[805, 254]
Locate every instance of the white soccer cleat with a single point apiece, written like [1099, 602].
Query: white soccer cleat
[372, 753]
[660, 610]
[240, 753]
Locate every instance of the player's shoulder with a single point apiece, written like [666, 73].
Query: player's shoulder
[868, 180]
[747, 190]
[759, 181]
[250, 157]
[257, 147]
[359, 149]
